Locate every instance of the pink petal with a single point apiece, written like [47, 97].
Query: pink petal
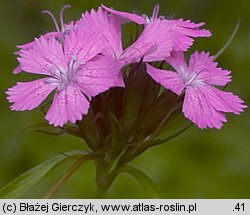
[100, 22]
[198, 109]
[223, 101]
[26, 45]
[125, 17]
[207, 69]
[184, 30]
[45, 56]
[154, 44]
[30, 45]
[99, 75]
[177, 61]
[82, 45]
[29, 95]
[170, 80]
[204, 105]
[17, 70]
[45, 36]
[68, 105]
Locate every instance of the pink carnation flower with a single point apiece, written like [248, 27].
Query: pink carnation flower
[160, 36]
[101, 22]
[59, 34]
[203, 103]
[73, 68]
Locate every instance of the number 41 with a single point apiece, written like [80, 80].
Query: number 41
[240, 207]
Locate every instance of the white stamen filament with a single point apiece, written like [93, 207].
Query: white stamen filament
[190, 78]
[62, 77]
[155, 12]
[61, 16]
[193, 79]
[53, 19]
[72, 68]
[154, 15]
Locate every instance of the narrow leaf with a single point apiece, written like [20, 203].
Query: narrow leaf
[143, 179]
[27, 180]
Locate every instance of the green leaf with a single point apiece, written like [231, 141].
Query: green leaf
[27, 180]
[143, 179]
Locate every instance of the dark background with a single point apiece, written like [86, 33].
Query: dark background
[199, 164]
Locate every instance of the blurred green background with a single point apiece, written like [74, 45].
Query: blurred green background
[198, 164]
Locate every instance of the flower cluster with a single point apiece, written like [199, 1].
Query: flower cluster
[86, 58]
[121, 100]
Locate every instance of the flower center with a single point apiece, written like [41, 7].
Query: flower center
[62, 77]
[194, 78]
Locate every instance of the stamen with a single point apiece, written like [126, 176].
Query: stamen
[190, 79]
[53, 19]
[71, 67]
[74, 58]
[194, 77]
[155, 11]
[148, 19]
[61, 16]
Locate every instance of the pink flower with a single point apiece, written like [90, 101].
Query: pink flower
[59, 34]
[203, 103]
[160, 36]
[73, 68]
[110, 26]
[101, 22]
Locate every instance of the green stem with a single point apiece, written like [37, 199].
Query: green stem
[158, 130]
[158, 142]
[101, 193]
[102, 184]
[68, 173]
[228, 41]
[139, 148]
